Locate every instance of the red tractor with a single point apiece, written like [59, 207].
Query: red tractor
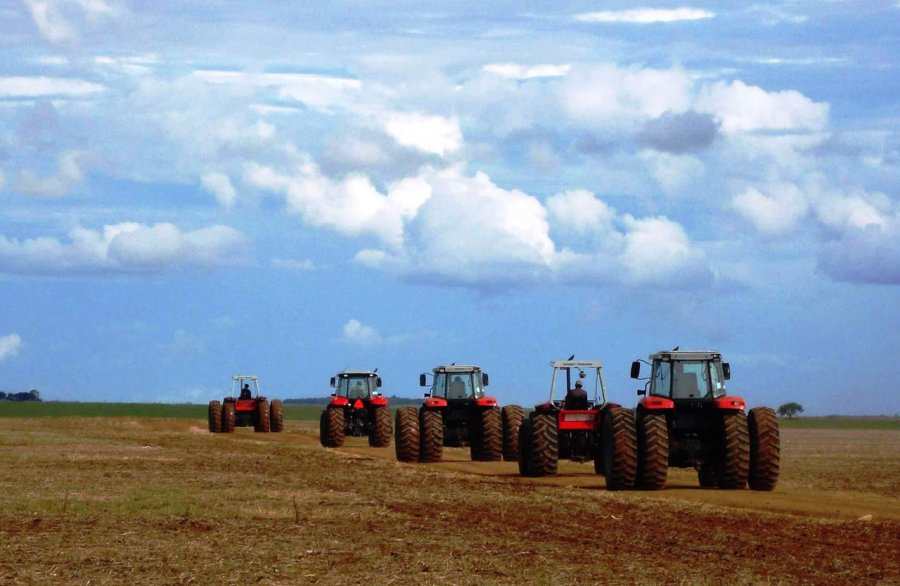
[580, 429]
[457, 413]
[689, 421]
[356, 409]
[248, 409]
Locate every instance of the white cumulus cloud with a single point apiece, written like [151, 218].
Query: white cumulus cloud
[610, 96]
[517, 71]
[9, 346]
[356, 332]
[57, 20]
[741, 107]
[68, 174]
[352, 206]
[35, 87]
[322, 92]
[125, 248]
[432, 134]
[646, 15]
[220, 186]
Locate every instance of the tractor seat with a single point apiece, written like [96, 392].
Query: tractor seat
[577, 403]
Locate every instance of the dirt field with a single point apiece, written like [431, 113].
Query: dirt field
[154, 501]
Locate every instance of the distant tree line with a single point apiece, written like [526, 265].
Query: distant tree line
[32, 395]
[393, 400]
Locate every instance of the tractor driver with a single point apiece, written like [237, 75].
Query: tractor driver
[358, 391]
[245, 392]
[577, 398]
[457, 389]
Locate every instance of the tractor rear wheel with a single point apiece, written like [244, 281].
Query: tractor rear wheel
[619, 448]
[229, 419]
[261, 421]
[512, 416]
[276, 416]
[406, 428]
[526, 436]
[488, 447]
[380, 431]
[733, 462]
[431, 444]
[544, 459]
[765, 448]
[653, 451]
[215, 417]
[706, 475]
[334, 434]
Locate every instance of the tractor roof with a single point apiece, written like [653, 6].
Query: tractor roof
[576, 364]
[350, 372]
[457, 368]
[244, 377]
[669, 355]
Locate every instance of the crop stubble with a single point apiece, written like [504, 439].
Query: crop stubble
[155, 501]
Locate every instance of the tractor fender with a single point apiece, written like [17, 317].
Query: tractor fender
[435, 403]
[245, 404]
[378, 401]
[339, 402]
[656, 403]
[545, 407]
[727, 403]
[486, 402]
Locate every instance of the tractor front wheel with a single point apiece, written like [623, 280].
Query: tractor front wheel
[431, 425]
[733, 462]
[512, 416]
[229, 419]
[544, 459]
[380, 431]
[406, 427]
[765, 448]
[706, 475]
[276, 416]
[488, 446]
[653, 451]
[619, 448]
[215, 417]
[261, 422]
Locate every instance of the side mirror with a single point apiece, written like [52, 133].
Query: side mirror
[641, 392]
[635, 369]
[484, 379]
[377, 381]
[426, 395]
[422, 381]
[332, 381]
[726, 370]
[334, 394]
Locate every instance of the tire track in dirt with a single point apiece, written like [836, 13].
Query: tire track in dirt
[682, 484]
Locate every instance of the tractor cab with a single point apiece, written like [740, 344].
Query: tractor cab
[589, 373]
[246, 394]
[455, 382]
[353, 385]
[685, 375]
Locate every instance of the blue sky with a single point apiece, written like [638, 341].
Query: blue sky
[195, 189]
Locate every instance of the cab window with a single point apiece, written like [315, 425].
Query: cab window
[354, 387]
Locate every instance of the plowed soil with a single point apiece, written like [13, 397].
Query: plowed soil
[154, 501]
